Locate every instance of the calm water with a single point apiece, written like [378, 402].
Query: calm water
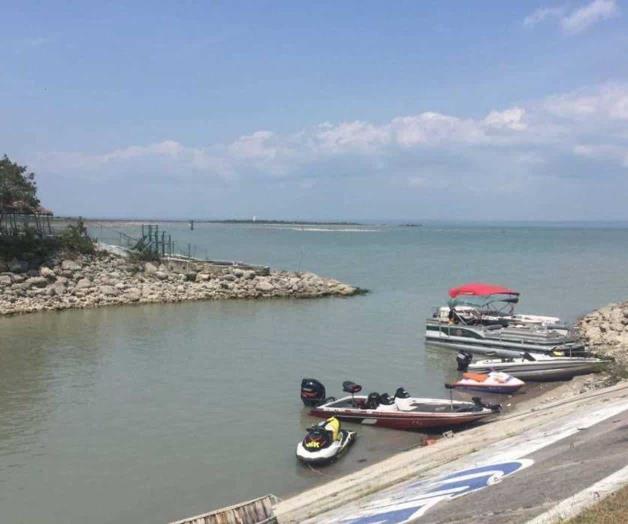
[152, 413]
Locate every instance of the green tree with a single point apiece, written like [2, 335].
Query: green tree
[17, 187]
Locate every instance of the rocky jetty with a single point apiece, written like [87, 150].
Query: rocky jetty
[606, 332]
[105, 279]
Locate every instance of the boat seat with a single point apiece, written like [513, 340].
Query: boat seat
[387, 407]
[351, 387]
[404, 404]
[478, 377]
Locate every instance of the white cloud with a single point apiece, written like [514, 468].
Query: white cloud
[512, 118]
[256, 146]
[590, 14]
[574, 21]
[542, 14]
[435, 128]
[417, 148]
[608, 102]
[349, 136]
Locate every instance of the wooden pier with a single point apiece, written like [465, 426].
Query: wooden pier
[256, 511]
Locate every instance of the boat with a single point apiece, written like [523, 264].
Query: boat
[480, 303]
[324, 442]
[399, 411]
[480, 319]
[537, 367]
[491, 382]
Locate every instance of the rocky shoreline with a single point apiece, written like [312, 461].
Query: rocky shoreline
[106, 279]
[606, 332]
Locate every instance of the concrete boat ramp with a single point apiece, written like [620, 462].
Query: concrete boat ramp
[527, 466]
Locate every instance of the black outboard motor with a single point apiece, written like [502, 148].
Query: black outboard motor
[495, 408]
[386, 399]
[464, 358]
[401, 393]
[312, 392]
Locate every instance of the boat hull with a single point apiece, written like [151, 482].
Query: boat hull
[500, 389]
[326, 455]
[510, 343]
[540, 371]
[441, 418]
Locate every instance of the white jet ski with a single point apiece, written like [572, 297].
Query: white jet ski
[324, 442]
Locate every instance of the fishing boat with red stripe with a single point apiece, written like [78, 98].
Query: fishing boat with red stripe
[399, 411]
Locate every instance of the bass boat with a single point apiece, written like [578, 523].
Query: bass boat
[492, 382]
[324, 442]
[399, 411]
[534, 367]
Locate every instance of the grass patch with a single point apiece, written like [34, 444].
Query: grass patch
[611, 510]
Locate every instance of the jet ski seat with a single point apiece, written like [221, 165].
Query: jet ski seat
[478, 377]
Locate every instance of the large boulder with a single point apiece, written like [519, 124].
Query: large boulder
[83, 283]
[58, 289]
[149, 268]
[109, 291]
[133, 294]
[6, 280]
[70, 265]
[161, 275]
[46, 272]
[37, 282]
[264, 286]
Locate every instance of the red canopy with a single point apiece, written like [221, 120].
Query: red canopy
[481, 290]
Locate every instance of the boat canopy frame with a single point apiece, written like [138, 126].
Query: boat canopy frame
[486, 298]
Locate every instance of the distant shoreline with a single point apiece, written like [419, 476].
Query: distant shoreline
[225, 221]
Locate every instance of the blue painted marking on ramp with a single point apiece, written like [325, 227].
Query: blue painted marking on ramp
[413, 500]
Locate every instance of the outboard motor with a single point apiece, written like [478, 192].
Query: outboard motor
[401, 393]
[312, 392]
[386, 399]
[495, 408]
[464, 358]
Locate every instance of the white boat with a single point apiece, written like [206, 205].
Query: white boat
[537, 367]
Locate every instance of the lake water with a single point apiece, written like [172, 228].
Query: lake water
[151, 413]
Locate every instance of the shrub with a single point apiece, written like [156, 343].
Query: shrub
[75, 239]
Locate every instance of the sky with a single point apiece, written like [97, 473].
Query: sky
[374, 110]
